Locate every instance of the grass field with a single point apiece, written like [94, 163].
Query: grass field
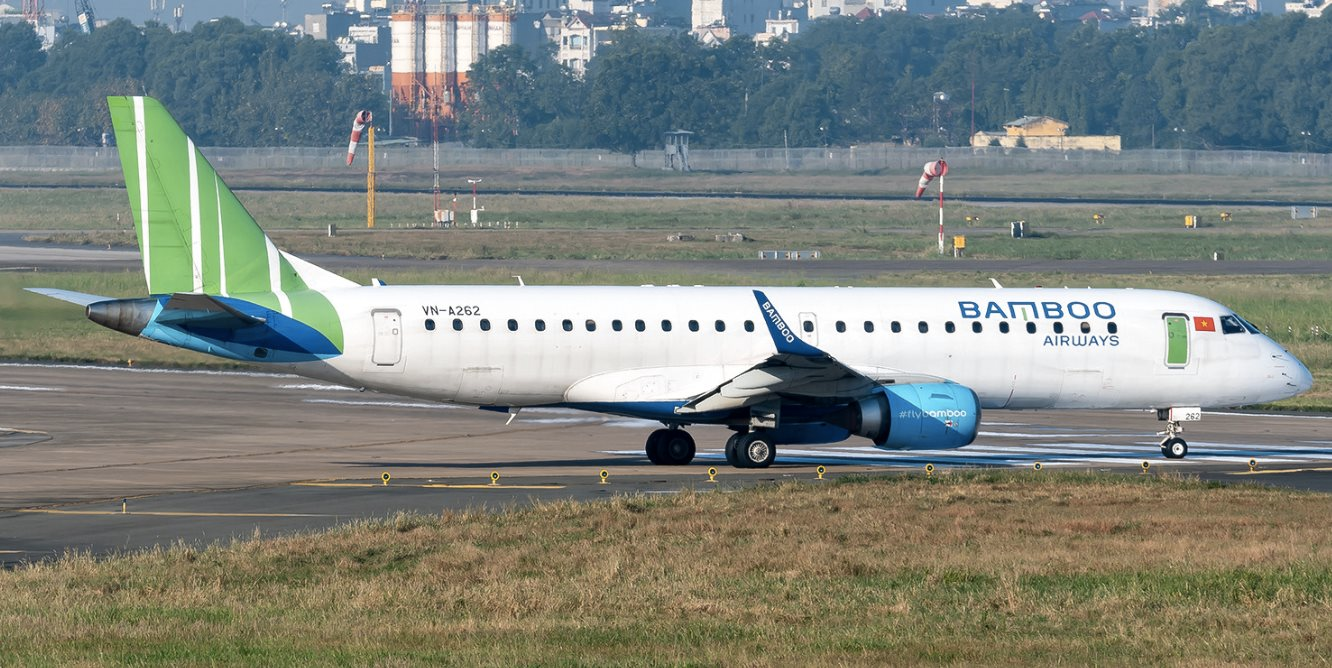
[960, 182]
[992, 568]
[576, 227]
[1294, 310]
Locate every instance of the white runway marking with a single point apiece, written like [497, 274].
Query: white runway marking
[317, 387]
[127, 369]
[31, 388]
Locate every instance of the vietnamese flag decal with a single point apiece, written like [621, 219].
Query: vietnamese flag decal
[1202, 324]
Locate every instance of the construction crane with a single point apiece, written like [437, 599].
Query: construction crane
[83, 9]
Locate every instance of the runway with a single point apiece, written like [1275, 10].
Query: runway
[104, 459]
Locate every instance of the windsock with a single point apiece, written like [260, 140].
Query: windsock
[932, 170]
[362, 119]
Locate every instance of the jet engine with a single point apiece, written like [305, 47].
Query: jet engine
[922, 416]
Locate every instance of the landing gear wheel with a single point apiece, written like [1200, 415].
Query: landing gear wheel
[676, 448]
[733, 447]
[1174, 448]
[654, 448]
[754, 450]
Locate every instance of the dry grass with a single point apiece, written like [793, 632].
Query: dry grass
[987, 568]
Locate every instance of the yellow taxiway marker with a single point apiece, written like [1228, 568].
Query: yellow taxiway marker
[162, 513]
[1270, 471]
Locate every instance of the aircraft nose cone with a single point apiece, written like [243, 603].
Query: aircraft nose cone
[1299, 376]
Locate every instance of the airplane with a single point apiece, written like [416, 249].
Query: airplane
[905, 368]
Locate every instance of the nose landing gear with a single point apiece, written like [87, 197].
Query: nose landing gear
[1172, 446]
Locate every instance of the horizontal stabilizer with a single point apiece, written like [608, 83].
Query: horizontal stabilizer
[204, 311]
[80, 298]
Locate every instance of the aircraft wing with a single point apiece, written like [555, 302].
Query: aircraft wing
[80, 298]
[797, 370]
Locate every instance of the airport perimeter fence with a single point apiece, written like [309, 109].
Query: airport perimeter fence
[866, 158]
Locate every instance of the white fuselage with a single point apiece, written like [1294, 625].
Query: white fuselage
[1112, 351]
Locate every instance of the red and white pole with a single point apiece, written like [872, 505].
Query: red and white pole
[941, 234]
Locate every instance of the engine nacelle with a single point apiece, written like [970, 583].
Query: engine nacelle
[922, 416]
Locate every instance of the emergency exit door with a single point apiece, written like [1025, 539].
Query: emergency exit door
[388, 338]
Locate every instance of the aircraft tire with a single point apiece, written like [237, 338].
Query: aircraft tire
[732, 448]
[1174, 448]
[676, 448]
[654, 447]
[755, 450]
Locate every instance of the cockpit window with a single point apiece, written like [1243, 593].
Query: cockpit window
[1251, 328]
[1231, 325]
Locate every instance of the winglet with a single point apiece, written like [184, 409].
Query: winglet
[783, 336]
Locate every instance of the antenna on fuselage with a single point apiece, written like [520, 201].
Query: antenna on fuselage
[996, 283]
[520, 280]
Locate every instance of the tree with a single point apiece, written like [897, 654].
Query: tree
[20, 53]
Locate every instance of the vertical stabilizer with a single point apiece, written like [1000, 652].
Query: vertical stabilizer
[194, 234]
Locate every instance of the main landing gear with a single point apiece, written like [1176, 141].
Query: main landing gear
[750, 450]
[747, 450]
[671, 447]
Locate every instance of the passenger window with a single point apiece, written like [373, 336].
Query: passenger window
[1003, 327]
[808, 325]
[1085, 327]
[457, 324]
[923, 326]
[617, 325]
[567, 324]
[640, 326]
[1112, 328]
[1031, 328]
[1059, 328]
[976, 327]
[513, 325]
[540, 325]
[485, 325]
[591, 325]
[749, 325]
[693, 325]
[719, 326]
[950, 327]
[841, 327]
[430, 325]
[665, 325]
[869, 327]
[896, 327]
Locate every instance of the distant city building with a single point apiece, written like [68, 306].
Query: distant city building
[1313, 8]
[741, 17]
[778, 30]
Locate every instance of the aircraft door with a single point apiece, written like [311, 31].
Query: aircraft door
[809, 328]
[1176, 340]
[388, 338]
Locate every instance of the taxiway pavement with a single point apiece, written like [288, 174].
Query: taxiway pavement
[111, 458]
